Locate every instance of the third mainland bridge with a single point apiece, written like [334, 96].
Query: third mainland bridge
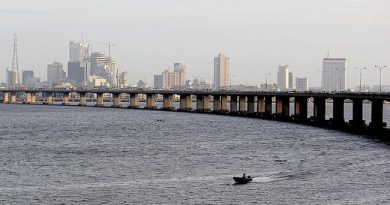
[242, 103]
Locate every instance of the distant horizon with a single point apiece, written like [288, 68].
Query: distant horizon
[257, 36]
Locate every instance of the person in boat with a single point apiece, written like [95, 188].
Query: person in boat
[243, 176]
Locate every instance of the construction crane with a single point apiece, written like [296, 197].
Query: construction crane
[109, 44]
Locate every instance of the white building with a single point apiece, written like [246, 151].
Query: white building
[290, 81]
[333, 74]
[103, 66]
[180, 74]
[283, 77]
[302, 84]
[221, 71]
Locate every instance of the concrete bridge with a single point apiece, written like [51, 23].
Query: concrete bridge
[252, 104]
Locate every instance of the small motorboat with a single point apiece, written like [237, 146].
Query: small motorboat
[243, 180]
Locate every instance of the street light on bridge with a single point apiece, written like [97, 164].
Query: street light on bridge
[380, 76]
[360, 70]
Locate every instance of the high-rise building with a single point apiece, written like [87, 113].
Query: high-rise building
[12, 78]
[28, 79]
[122, 79]
[168, 79]
[302, 84]
[158, 82]
[290, 81]
[283, 77]
[221, 71]
[333, 74]
[55, 73]
[78, 71]
[103, 66]
[180, 74]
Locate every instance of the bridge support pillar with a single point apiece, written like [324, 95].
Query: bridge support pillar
[83, 99]
[116, 101]
[300, 108]
[99, 100]
[49, 98]
[65, 99]
[185, 102]
[338, 113]
[217, 103]
[224, 103]
[319, 110]
[28, 98]
[282, 107]
[357, 121]
[151, 101]
[168, 102]
[242, 104]
[268, 106]
[134, 101]
[377, 114]
[13, 98]
[202, 103]
[251, 105]
[260, 104]
[233, 104]
[6, 97]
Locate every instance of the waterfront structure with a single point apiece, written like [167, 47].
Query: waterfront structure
[104, 66]
[302, 84]
[333, 74]
[122, 80]
[221, 71]
[253, 103]
[283, 77]
[290, 81]
[28, 79]
[55, 73]
[78, 72]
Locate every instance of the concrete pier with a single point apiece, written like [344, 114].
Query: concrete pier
[202, 103]
[338, 113]
[319, 109]
[251, 105]
[185, 102]
[300, 108]
[377, 114]
[233, 104]
[357, 114]
[116, 100]
[151, 101]
[65, 99]
[134, 101]
[268, 106]
[83, 99]
[260, 105]
[217, 103]
[49, 98]
[282, 107]
[99, 100]
[6, 97]
[13, 98]
[242, 104]
[224, 103]
[168, 102]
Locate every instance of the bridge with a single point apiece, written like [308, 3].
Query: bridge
[260, 104]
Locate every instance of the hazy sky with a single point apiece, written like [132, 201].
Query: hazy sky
[151, 35]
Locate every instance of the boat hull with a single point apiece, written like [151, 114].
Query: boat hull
[241, 180]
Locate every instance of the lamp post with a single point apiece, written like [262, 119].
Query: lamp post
[321, 78]
[360, 70]
[380, 76]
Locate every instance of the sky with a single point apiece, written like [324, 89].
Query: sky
[150, 35]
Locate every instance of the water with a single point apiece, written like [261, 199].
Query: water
[81, 155]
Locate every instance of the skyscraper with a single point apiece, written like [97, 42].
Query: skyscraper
[26, 75]
[78, 71]
[55, 73]
[290, 81]
[283, 77]
[180, 74]
[103, 66]
[221, 71]
[333, 74]
[302, 84]
[158, 82]
[12, 78]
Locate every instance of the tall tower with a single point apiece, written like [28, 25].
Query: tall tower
[283, 77]
[15, 63]
[333, 74]
[221, 71]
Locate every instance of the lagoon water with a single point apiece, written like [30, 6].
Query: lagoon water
[85, 155]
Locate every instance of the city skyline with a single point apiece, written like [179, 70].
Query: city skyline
[254, 37]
